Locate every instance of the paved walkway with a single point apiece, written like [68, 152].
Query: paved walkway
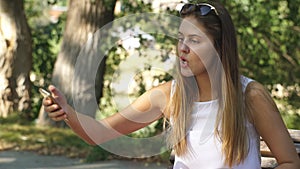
[31, 160]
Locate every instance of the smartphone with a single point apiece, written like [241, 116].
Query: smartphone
[45, 93]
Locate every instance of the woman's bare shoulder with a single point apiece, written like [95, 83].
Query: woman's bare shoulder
[255, 90]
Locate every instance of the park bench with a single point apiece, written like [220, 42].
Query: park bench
[267, 159]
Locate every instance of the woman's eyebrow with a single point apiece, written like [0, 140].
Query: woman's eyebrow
[195, 35]
[190, 35]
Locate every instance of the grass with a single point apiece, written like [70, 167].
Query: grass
[16, 134]
[43, 140]
[24, 136]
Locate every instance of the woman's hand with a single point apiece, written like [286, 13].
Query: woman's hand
[56, 107]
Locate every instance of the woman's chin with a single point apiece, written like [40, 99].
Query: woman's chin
[186, 73]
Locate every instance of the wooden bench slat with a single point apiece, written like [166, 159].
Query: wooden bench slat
[268, 162]
[295, 134]
[266, 152]
[297, 145]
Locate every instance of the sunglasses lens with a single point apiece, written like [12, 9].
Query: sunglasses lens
[187, 8]
[204, 10]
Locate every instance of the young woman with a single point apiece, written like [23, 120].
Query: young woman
[216, 115]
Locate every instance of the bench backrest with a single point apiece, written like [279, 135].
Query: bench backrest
[267, 158]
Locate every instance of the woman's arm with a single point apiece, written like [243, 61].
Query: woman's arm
[270, 126]
[142, 112]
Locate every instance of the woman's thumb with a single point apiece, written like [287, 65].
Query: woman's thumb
[57, 95]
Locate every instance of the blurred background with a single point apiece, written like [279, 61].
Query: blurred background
[41, 40]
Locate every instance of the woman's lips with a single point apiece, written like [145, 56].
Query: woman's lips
[183, 62]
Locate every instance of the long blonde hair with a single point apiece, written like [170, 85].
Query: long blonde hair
[231, 117]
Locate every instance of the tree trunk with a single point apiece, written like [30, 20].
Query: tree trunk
[15, 59]
[84, 18]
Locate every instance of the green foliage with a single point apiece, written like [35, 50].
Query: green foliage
[132, 7]
[268, 35]
[292, 121]
[98, 154]
[268, 39]
[46, 44]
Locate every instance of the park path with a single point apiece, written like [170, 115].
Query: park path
[31, 160]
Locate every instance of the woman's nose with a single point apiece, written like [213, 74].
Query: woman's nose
[184, 48]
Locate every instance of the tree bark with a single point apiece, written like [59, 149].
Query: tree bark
[84, 18]
[15, 59]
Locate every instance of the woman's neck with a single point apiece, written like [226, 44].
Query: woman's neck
[205, 89]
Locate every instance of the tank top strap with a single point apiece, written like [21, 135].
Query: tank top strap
[245, 81]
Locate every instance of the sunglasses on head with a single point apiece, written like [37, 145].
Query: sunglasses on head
[203, 8]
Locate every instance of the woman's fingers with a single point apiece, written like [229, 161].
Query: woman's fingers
[55, 112]
[59, 118]
[47, 101]
[55, 105]
[52, 107]
[57, 115]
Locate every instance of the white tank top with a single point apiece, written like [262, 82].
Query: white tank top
[204, 148]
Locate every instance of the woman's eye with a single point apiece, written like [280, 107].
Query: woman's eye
[180, 39]
[194, 41]
[189, 40]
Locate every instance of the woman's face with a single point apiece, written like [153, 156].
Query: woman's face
[195, 49]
